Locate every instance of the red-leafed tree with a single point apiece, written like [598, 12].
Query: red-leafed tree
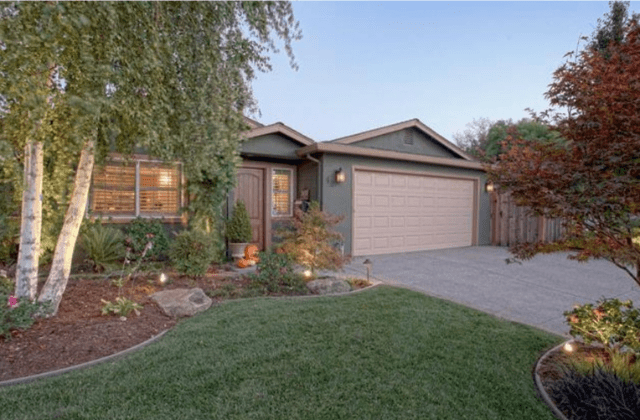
[592, 179]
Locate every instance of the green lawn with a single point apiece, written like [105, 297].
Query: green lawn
[385, 353]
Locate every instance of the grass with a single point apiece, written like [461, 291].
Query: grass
[385, 353]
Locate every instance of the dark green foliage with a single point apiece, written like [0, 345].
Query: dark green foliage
[19, 317]
[239, 226]
[6, 286]
[103, 245]
[9, 239]
[140, 232]
[599, 396]
[192, 252]
[275, 274]
[611, 27]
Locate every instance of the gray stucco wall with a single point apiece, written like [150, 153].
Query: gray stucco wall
[422, 143]
[271, 145]
[308, 179]
[337, 198]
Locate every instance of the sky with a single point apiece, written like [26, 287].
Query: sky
[364, 65]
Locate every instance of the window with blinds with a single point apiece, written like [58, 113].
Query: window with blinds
[281, 181]
[114, 189]
[138, 188]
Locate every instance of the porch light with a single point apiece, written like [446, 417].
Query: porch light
[489, 187]
[341, 176]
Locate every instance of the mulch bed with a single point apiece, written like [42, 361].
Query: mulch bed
[79, 333]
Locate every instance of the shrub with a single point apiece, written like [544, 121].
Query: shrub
[275, 274]
[7, 286]
[9, 239]
[598, 396]
[139, 232]
[18, 316]
[610, 322]
[311, 241]
[122, 307]
[103, 246]
[192, 252]
[239, 226]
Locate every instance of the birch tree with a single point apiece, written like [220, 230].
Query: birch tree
[173, 78]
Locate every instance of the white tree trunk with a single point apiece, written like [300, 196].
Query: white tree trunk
[31, 222]
[61, 265]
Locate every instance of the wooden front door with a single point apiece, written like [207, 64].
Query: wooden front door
[251, 190]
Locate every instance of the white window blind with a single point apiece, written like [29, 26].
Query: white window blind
[281, 181]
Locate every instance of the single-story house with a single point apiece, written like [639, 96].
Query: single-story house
[401, 187]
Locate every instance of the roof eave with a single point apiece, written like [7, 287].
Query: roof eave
[345, 149]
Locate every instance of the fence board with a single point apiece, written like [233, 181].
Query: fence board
[512, 224]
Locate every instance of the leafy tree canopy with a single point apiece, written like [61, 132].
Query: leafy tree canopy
[592, 180]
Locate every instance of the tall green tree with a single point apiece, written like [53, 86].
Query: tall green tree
[172, 78]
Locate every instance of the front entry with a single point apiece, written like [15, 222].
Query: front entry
[251, 189]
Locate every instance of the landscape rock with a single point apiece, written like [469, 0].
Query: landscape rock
[182, 302]
[329, 285]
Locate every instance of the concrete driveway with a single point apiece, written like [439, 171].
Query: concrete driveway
[535, 292]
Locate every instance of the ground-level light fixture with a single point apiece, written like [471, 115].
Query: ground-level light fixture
[307, 273]
[368, 263]
[162, 279]
[341, 176]
[568, 347]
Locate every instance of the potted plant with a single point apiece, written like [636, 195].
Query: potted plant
[239, 231]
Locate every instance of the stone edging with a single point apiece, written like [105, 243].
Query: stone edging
[538, 383]
[90, 363]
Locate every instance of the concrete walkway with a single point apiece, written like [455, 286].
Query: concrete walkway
[535, 292]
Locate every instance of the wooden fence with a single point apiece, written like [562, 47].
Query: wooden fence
[512, 224]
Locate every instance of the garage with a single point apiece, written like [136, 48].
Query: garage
[403, 211]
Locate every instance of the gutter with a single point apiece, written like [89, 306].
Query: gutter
[319, 180]
[386, 154]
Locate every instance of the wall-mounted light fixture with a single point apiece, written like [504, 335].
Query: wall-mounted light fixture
[341, 176]
[489, 187]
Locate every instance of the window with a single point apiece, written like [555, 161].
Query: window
[281, 183]
[140, 188]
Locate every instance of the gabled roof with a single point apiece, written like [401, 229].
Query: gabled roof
[279, 128]
[252, 123]
[414, 123]
[347, 149]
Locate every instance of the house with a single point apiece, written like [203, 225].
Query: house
[401, 187]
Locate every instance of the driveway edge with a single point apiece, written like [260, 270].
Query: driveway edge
[26, 379]
[538, 383]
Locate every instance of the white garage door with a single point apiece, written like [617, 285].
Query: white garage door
[395, 212]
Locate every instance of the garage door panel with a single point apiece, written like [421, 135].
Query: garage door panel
[396, 212]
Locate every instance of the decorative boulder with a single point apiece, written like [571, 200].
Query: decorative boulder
[182, 302]
[328, 286]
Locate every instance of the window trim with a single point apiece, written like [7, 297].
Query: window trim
[291, 182]
[136, 160]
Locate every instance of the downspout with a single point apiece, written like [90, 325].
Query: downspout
[319, 180]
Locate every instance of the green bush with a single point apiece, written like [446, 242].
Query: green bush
[7, 286]
[103, 245]
[275, 274]
[9, 239]
[192, 252]
[139, 232]
[18, 317]
[121, 307]
[239, 226]
[610, 322]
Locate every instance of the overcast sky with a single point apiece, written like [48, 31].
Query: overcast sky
[365, 65]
